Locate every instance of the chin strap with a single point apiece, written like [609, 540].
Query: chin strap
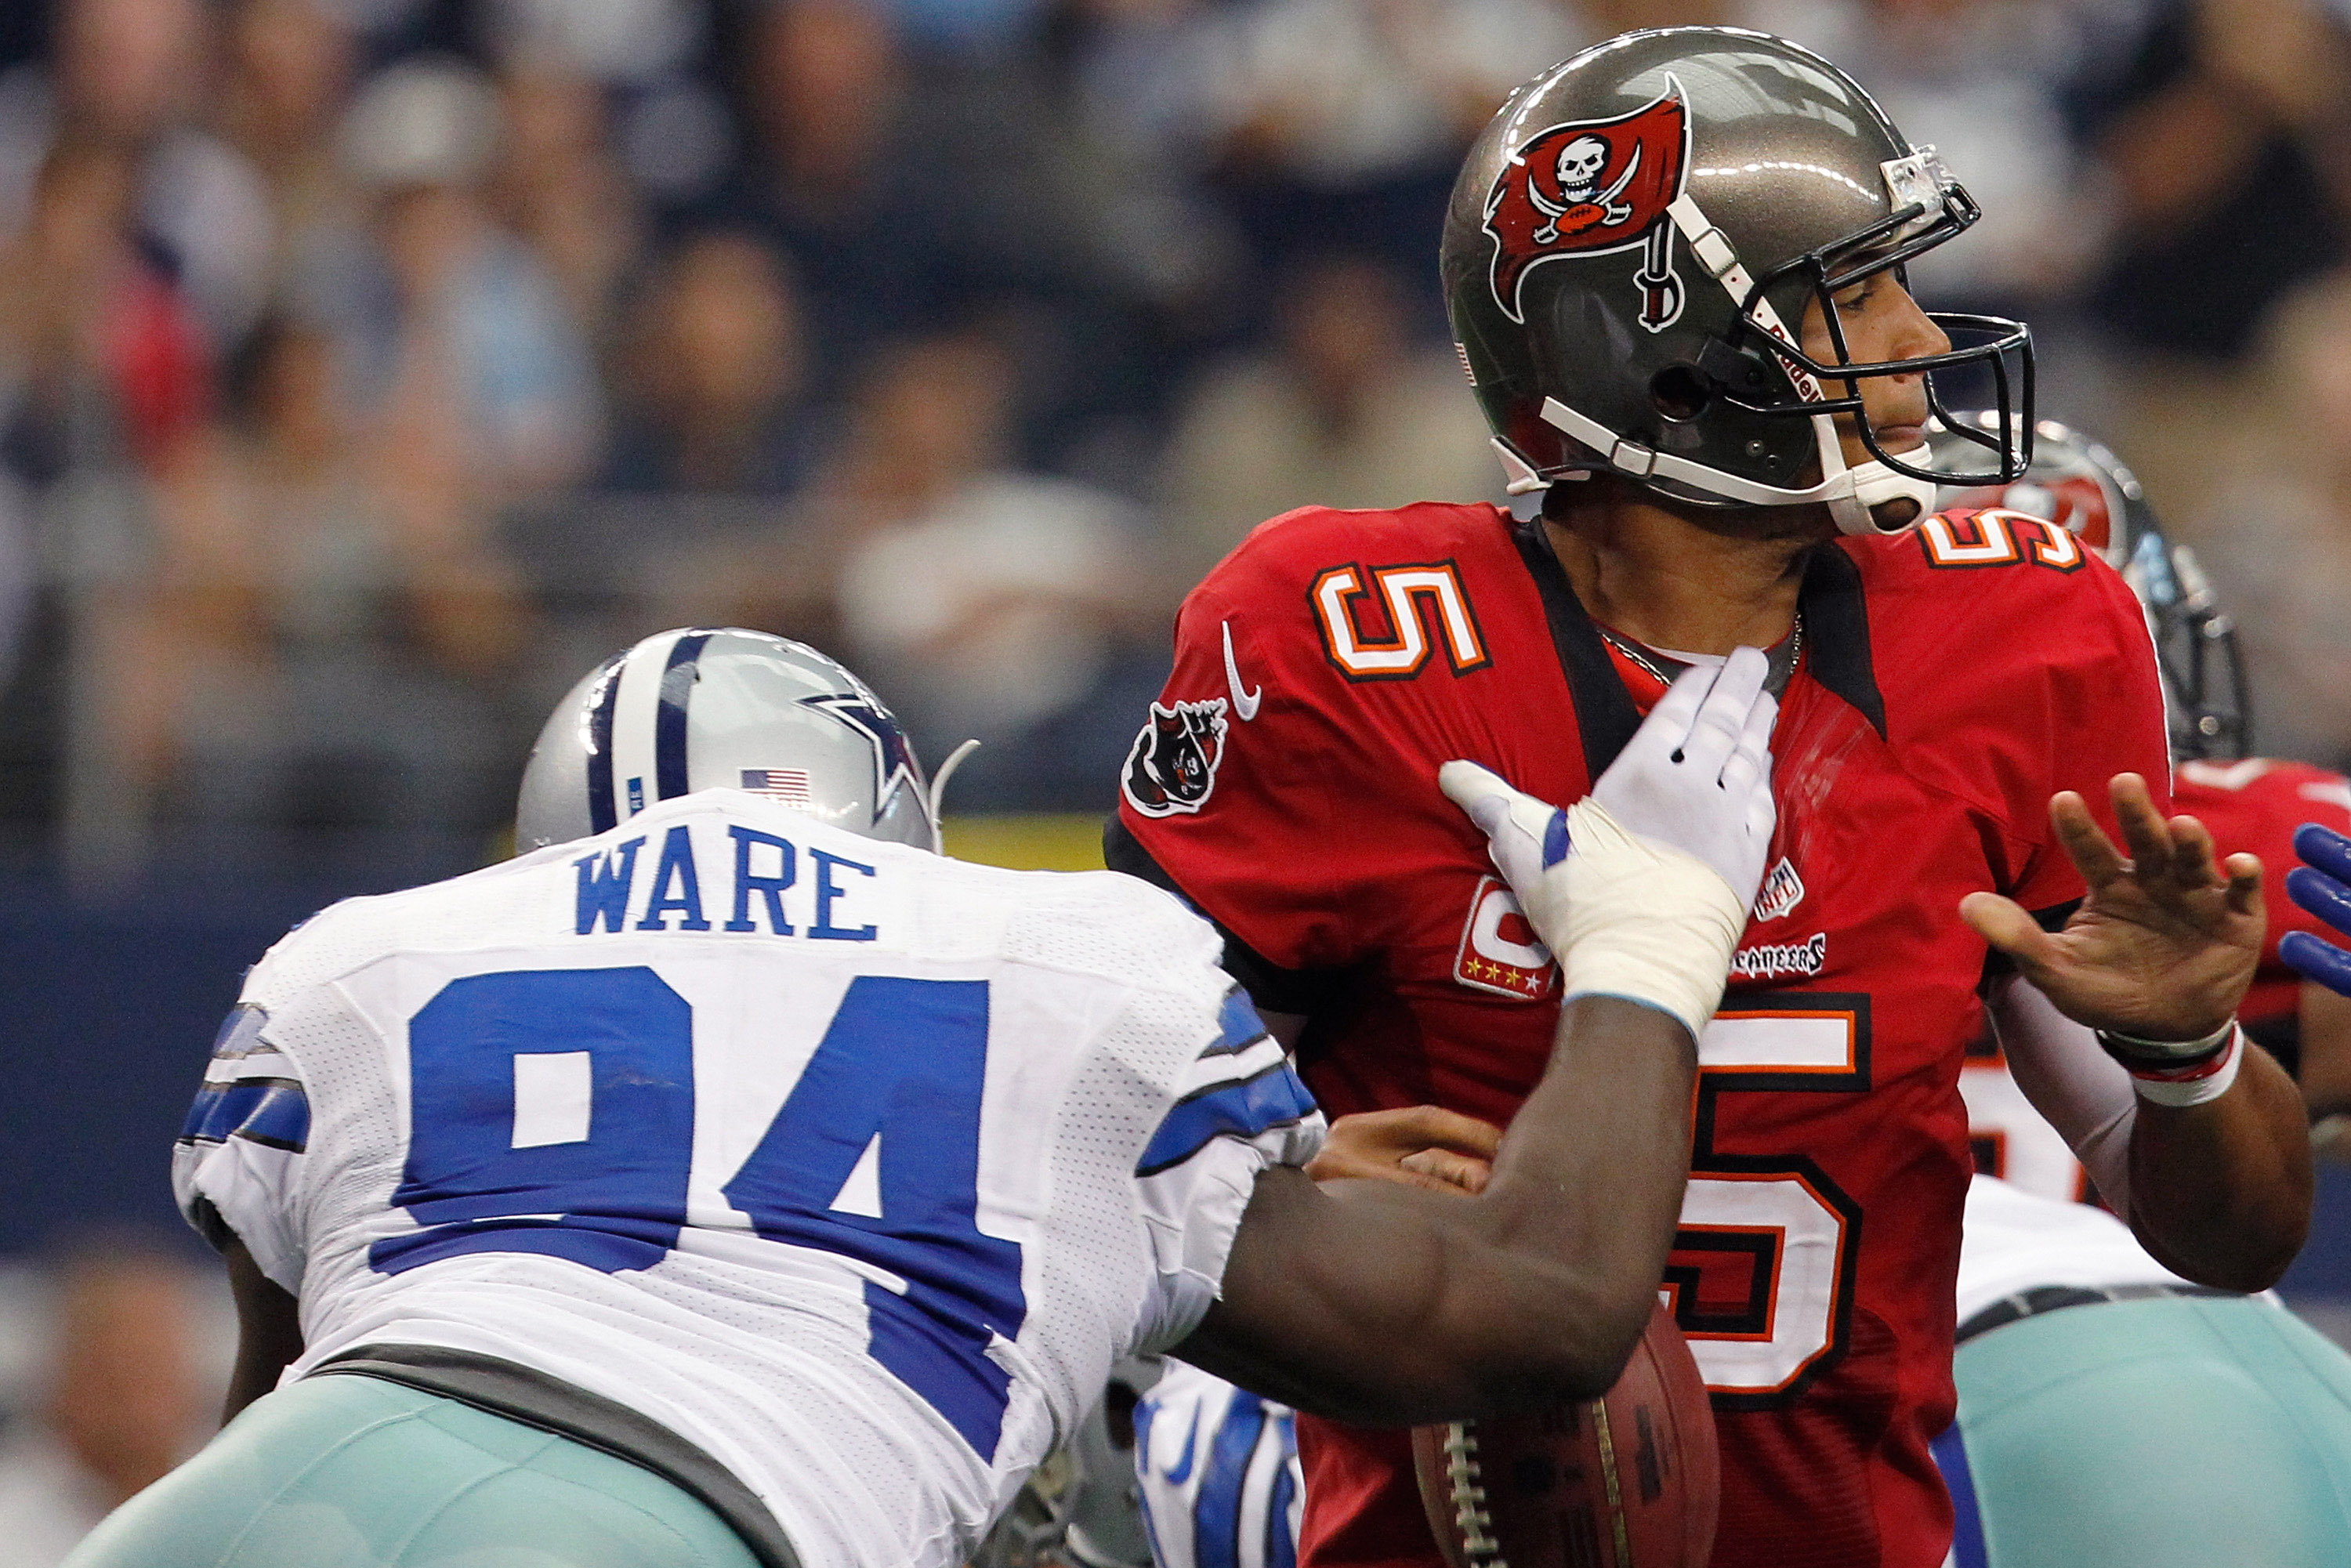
[939, 790]
[1875, 485]
[1851, 493]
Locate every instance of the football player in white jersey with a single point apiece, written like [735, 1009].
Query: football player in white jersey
[733, 1178]
[1220, 1473]
[2087, 1372]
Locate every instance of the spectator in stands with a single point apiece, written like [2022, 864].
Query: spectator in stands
[101, 358]
[2226, 128]
[1343, 119]
[563, 191]
[331, 649]
[288, 79]
[2276, 534]
[716, 383]
[125, 1400]
[476, 370]
[1346, 412]
[984, 601]
[908, 189]
[130, 76]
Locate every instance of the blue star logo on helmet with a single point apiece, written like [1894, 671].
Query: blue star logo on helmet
[894, 758]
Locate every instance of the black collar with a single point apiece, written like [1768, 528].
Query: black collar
[1836, 636]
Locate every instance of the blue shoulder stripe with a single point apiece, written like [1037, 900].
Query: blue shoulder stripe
[1237, 1025]
[272, 1110]
[1240, 1108]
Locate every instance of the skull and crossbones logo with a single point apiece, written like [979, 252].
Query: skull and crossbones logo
[1577, 172]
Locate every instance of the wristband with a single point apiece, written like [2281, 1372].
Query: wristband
[2164, 1055]
[2195, 1083]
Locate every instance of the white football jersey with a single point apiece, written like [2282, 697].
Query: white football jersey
[1220, 1471]
[2016, 1241]
[854, 1166]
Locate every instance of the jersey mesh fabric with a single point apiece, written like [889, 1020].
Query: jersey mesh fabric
[1106, 1009]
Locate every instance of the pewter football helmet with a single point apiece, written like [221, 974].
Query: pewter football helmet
[2074, 480]
[1629, 253]
[699, 709]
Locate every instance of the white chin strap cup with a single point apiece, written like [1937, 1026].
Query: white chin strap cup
[1874, 486]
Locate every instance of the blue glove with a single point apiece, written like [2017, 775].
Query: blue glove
[2323, 888]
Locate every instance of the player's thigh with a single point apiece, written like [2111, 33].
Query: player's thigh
[351, 1472]
[2190, 1431]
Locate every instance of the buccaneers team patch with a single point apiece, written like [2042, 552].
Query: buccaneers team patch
[1174, 764]
[1590, 187]
[1499, 951]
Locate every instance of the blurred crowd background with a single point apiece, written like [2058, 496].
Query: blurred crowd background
[370, 368]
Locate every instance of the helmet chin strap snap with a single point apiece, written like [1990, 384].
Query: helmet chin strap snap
[1881, 500]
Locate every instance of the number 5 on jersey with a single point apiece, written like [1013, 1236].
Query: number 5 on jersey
[1761, 1279]
[1372, 622]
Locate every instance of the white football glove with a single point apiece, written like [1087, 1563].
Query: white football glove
[1641, 889]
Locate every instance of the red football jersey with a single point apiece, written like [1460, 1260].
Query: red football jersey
[1950, 681]
[2254, 806]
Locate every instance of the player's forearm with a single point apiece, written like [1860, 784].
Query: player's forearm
[1570, 1236]
[2220, 1192]
[1385, 1305]
[1590, 1177]
[269, 1331]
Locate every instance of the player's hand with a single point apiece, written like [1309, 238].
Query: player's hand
[1420, 1145]
[2164, 944]
[1695, 776]
[2323, 886]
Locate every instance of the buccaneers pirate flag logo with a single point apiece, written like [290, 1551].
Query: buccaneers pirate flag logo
[1588, 188]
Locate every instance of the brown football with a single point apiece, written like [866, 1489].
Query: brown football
[1630, 1480]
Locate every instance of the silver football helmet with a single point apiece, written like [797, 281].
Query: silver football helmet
[703, 708]
[1630, 253]
[2073, 479]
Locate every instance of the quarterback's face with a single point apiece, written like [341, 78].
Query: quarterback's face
[1881, 322]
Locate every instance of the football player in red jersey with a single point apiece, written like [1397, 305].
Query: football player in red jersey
[2249, 803]
[1673, 265]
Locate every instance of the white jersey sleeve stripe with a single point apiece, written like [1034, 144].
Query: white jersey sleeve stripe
[1238, 1026]
[238, 1154]
[1243, 1108]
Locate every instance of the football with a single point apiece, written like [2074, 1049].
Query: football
[1629, 1481]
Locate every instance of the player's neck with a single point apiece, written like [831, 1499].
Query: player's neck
[1666, 580]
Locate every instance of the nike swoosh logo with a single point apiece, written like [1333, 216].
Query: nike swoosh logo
[1244, 702]
[1183, 1471]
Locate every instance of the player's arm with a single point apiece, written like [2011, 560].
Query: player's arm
[269, 1329]
[1380, 1304]
[2215, 1173]
[236, 1170]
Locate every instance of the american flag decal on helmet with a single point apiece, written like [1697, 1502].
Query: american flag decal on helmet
[789, 786]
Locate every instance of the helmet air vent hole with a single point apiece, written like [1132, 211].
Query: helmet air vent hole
[1679, 393]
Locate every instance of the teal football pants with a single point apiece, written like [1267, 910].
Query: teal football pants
[2190, 1432]
[355, 1472]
